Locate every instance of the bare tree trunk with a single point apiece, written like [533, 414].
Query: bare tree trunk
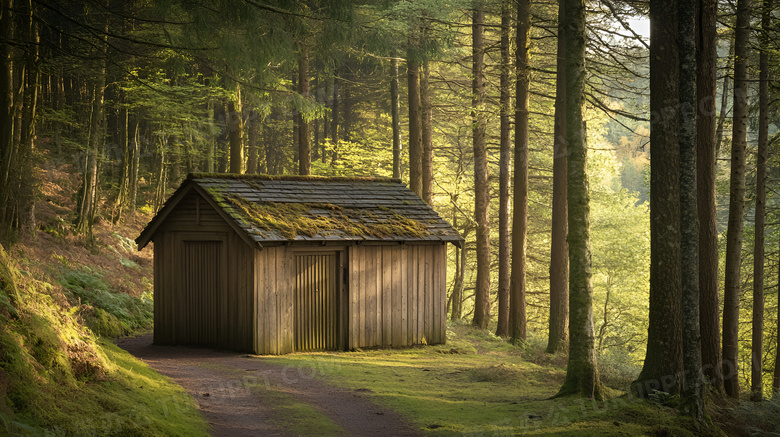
[135, 166]
[426, 135]
[127, 162]
[481, 185]
[253, 137]
[415, 127]
[757, 374]
[6, 113]
[88, 210]
[723, 104]
[558, 332]
[693, 390]
[706, 155]
[235, 124]
[582, 376]
[520, 217]
[25, 179]
[211, 145]
[664, 355]
[732, 291]
[304, 145]
[334, 126]
[505, 161]
[395, 102]
[460, 269]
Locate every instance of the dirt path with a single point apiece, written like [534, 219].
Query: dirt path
[235, 392]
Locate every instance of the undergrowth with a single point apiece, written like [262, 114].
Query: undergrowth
[106, 312]
[58, 378]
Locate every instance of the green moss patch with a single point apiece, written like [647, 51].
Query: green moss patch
[57, 378]
[294, 219]
[480, 385]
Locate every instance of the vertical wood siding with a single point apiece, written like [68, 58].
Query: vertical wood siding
[315, 302]
[201, 290]
[274, 325]
[203, 287]
[397, 295]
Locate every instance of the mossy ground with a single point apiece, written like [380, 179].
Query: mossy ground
[58, 378]
[481, 385]
[58, 294]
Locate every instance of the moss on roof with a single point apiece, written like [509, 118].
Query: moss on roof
[294, 219]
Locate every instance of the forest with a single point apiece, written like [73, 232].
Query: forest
[612, 165]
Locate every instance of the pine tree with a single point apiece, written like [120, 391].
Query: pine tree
[582, 376]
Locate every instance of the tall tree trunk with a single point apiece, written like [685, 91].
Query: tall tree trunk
[25, 180]
[663, 360]
[558, 332]
[6, 113]
[693, 390]
[235, 124]
[481, 185]
[211, 144]
[757, 374]
[395, 102]
[415, 127]
[426, 117]
[460, 270]
[724, 99]
[582, 376]
[253, 138]
[315, 124]
[334, 126]
[88, 211]
[520, 195]
[127, 163]
[304, 145]
[269, 141]
[732, 291]
[706, 156]
[135, 166]
[504, 170]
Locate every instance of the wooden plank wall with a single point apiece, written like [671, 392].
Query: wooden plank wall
[397, 295]
[316, 296]
[224, 320]
[275, 300]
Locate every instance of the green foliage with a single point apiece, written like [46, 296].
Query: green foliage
[621, 271]
[107, 312]
[58, 379]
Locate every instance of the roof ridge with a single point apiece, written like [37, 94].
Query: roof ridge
[312, 178]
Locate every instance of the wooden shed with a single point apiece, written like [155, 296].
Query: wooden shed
[272, 265]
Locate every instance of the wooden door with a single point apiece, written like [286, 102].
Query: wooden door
[202, 282]
[316, 301]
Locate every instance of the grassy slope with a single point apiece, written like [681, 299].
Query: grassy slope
[57, 376]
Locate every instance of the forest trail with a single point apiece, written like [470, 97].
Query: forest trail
[239, 394]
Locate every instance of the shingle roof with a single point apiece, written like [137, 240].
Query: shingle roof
[294, 208]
